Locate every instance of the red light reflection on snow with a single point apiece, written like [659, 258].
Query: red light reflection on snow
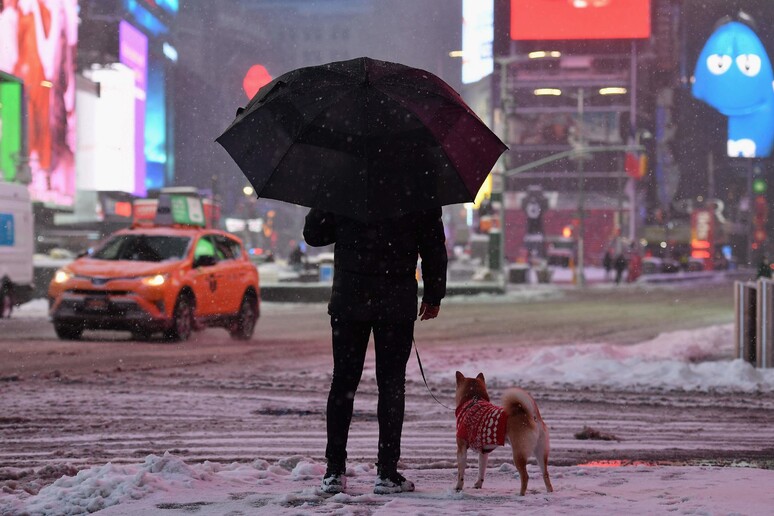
[616, 463]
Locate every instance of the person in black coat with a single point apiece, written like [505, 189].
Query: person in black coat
[620, 266]
[375, 289]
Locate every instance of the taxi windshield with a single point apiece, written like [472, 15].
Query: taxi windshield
[143, 248]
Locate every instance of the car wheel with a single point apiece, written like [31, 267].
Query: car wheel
[182, 320]
[68, 331]
[244, 325]
[6, 301]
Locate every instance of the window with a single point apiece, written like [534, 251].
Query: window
[204, 247]
[229, 247]
[143, 248]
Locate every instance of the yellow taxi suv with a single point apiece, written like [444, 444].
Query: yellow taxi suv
[146, 280]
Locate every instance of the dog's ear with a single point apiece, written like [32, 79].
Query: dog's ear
[460, 377]
[481, 377]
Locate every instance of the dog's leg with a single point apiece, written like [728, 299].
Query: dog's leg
[541, 453]
[462, 460]
[520, 461]
[483, 459]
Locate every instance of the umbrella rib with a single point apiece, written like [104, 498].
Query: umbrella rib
[442, 148]
[306, 127]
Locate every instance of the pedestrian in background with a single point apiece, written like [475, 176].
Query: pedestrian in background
[297, 258]
[764, 268]
[375, 290]
[607, 263]
[620, 267]
[635, 266]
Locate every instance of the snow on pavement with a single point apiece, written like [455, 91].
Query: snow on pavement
[693, 360]
[683, 360]
[165, 483]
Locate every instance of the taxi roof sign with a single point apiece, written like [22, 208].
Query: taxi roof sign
[179, 209]
[172, 209]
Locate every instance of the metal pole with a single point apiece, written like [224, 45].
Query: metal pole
[745, 320]
[633, 124]
[214, 183]
[581, 190]
[750, 213]
[764, 341]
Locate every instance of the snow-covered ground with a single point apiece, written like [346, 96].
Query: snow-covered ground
[699, 360]
[167, 485]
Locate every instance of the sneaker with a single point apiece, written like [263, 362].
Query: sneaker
[333, 482]
[391, 483]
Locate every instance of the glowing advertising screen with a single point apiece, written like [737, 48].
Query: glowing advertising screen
[579, 19]
[106, 150]
[38, 41]
[702, 234]
[141, 13]
[10, 128]
[477, 37]
[133, 52]
[257, 77]
[734, 75]
[171, 6]
[155, 127]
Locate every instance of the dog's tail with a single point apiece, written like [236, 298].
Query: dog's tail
[518, 401]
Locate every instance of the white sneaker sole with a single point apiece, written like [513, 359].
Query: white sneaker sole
[391, 490]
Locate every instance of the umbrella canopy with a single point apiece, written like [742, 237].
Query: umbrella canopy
[363, 138]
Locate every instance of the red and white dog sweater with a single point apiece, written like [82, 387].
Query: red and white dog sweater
[481, 425]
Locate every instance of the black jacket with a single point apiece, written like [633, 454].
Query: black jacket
[375, 264]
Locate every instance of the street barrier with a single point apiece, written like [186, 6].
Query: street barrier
[754, 322]
[745, 315]
[764, 345]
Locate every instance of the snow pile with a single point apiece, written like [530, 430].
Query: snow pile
[32, 309]
[290, 487]
[683, 360]
[99, 487]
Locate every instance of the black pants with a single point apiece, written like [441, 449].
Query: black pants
[392, 341]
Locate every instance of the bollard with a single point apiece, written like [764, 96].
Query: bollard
[764, 345]
[745, 315]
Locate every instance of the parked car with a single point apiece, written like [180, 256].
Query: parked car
[16, 247]
[158, 279]
[655, 265]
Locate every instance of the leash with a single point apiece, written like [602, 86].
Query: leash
[422, 370]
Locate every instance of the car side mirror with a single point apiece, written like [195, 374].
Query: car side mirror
[204, 261]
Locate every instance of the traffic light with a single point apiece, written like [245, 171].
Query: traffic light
[760, 215]
[759, 186]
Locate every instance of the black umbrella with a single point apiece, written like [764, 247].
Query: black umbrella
[363, 138]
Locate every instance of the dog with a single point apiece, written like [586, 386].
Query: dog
[483, 427]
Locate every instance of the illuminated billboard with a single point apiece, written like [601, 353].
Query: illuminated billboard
[10, 128]
[37, 44]
[156, 127]
[734, 75]
[133, 52]
[106, 144]
[579, 19]
[477, 37]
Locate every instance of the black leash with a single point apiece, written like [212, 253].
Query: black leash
[422, 370]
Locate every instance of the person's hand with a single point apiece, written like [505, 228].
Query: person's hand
[428, 311]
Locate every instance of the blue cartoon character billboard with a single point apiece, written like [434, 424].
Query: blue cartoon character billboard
[734, 76]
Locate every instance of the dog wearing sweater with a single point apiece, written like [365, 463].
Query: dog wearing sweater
[483, 427]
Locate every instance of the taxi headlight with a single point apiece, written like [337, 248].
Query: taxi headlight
[62, 275]
[154, 281]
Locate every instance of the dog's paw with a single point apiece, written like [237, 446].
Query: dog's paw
[458, 487]
[478, 484]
